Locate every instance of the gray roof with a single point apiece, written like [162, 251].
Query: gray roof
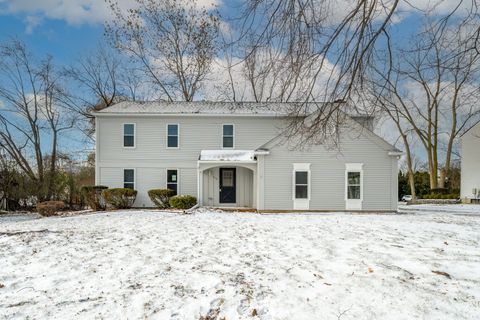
[201, 107]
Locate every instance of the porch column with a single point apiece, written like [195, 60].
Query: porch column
[200, 186]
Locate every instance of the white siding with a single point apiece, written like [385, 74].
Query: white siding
[470, 162]
[328, 175]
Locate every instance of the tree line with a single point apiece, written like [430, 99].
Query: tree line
[426, 84]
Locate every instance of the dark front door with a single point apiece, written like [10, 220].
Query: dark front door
[227, 185]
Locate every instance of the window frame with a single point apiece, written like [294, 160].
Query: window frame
[134, 177]
[167, 135]
[134, 135]
[354, 204]
[301, 203]
[177, 182]
[233, 135]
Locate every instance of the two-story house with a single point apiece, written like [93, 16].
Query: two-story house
[233, 155]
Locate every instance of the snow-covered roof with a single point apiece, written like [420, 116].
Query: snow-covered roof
[201, 107]
[227, 155]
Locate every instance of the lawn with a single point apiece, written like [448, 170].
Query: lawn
[215, 265]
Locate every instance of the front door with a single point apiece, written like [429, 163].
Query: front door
[227, 185]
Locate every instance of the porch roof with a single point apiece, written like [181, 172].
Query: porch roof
[227, 155]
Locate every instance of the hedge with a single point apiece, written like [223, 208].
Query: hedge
[441, 196]
[183, 202]
[92, 195]
[161, 197]
[49, 208]
[120, 198]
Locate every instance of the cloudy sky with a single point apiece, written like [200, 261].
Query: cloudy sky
[66, 29]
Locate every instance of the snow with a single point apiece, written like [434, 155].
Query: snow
[442, 208]
[158, 265]
[227, 155]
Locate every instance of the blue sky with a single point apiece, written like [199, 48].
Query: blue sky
[66, 29]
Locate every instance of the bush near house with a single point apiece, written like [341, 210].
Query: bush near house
[183, 202]
[120, 198]
[92, 195]
[161, 197]
[442, 196]
[49, 208]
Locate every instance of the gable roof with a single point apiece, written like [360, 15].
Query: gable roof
[275, 109]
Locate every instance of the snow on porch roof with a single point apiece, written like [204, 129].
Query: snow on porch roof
[227, 155]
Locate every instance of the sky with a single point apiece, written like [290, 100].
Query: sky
[66, 29]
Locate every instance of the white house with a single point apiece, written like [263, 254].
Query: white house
[233, 155]
[470, 176]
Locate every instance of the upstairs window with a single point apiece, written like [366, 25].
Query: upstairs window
[172, 180]
[129, 178]
[172, 135]
[228, 136]
[129, 135]
[301, 184]
[354, 185]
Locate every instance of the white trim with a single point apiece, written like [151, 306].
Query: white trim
[134, 177]
[233, 136]
[302, 203]
[134, 135]
[178, 135]
[395, 153]
[353, 204]
[97, 153]
[227, 163]
[178, 179]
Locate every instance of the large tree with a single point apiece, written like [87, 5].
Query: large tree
[172, 42]
[32, 116]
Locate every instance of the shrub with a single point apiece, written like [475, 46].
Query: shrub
[183, 202]
[49, 208]
[120, 198]
[92, 195]
[441, 191]
[161, 197]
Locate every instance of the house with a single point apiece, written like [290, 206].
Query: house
[470, 168]
[234, 155]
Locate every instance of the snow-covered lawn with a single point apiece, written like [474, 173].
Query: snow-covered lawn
[157, 265]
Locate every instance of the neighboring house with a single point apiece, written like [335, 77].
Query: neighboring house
[234, 155]
[470, 180]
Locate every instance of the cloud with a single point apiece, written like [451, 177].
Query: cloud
[74, 12]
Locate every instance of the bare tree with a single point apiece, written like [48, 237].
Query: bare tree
[173, 42]
[430, 90]
[101, 79]
[32, 115]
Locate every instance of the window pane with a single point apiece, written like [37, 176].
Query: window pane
[228, 130]
[172, 186]
[227, 178]
[301, 192]
[173, 130]
[171, 176]
[172, 142]
[128, 185]
[128, 141]
[301, 177]
[128, 129]
[353, 192]
[228, 142]
[354, 178]
[128, 175]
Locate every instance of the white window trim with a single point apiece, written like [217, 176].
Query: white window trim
[302, 204]
[134, 177]
[134, 135]
[354, 204]
[233, 136]
[178, 179]
[178, 136]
